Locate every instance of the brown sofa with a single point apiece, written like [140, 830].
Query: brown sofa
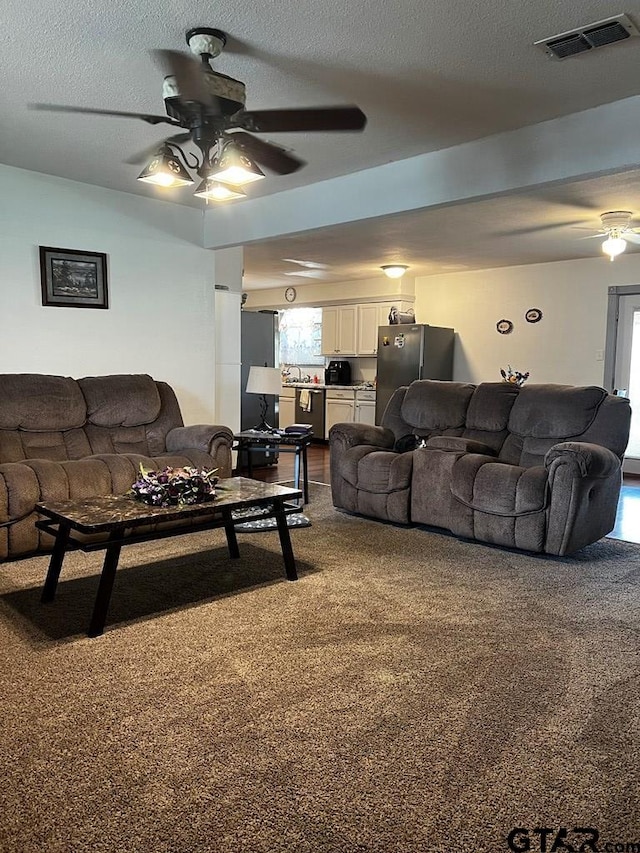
[64, 438]
[536, 468]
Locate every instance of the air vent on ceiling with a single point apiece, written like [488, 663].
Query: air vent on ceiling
[598, 34]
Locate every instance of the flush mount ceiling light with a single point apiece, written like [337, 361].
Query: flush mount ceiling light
[394, 270]
[208, 108]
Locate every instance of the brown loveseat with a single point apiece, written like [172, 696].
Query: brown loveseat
[537, 468]
[64, 438]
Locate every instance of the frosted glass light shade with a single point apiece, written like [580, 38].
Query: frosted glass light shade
[614, 246]
[394, 270]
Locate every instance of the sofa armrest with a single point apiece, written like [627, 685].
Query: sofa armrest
[459, 444]
[351, 435]
[588, 460]
[203, 437]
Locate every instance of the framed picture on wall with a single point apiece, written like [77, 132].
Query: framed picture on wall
[73, 279]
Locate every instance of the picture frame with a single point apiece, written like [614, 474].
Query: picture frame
[70, 278]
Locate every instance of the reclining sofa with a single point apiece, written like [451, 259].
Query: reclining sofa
[64, 438]
[536, 468]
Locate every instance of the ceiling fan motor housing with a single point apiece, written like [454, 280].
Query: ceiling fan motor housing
[616, 220]
[230, 93]
[206, 43]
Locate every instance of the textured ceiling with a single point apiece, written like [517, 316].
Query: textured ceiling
[429, 74]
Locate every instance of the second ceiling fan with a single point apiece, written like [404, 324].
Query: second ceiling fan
[209, 108]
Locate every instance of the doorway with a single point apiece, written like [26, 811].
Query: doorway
[622, 368]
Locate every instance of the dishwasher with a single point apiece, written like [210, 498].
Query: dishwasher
[316, 416]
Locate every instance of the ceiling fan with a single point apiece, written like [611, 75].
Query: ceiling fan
[618, 230]
[209, 108]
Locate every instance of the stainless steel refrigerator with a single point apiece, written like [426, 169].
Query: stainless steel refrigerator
[259, 346]
[408, 352]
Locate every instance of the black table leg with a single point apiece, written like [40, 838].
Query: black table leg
[55, 563]
[103, 596]
[285, 541]
[230, 530]
[296, 470]
[305, 475]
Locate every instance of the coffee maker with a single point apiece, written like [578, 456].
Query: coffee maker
[338, 373]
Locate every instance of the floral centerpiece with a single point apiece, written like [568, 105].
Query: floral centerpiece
[174, 486]
[514, 377]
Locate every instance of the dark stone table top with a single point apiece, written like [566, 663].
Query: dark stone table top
[92, 515]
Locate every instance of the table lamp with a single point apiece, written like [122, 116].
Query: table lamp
[263, 381]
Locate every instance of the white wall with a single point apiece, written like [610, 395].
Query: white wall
[161, 287]
[317, 294]
[228, 274]
[566, 346]
[592, 142]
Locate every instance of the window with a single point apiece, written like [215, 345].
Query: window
[300, 336]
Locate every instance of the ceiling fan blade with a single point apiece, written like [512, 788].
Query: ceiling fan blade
[59, 108]
[147, 153]
[267, 154]
[631, 236]
[314, 118]
[190, 78]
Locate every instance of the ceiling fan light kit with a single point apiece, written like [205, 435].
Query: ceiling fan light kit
[234, 167]
[614, 246]
[210, 107]
[617, 225]
[394, 270]
[213, 190]
[165, 170]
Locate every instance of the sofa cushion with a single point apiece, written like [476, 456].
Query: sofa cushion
[430, 404]
[486, 485]
[120, 401]
[555, 411]
[490, 406]
[378, 471]
[38, 403]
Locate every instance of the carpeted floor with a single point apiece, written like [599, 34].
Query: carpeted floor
[411, 692]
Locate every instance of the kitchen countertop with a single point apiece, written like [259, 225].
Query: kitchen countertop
[320, 386]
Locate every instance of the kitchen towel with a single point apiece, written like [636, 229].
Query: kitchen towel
[305, 400]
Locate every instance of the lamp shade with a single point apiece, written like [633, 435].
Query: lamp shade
[165, 170]
[264, 380]
[235, 167]
[216, 191]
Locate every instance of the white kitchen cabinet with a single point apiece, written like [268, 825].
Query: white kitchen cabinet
[287, 405]
[365, 407]
[368, 322]
[340, 408]
[370, 317]
[339, 330]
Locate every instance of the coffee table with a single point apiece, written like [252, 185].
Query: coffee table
[111, 521]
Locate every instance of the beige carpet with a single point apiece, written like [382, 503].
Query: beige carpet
[411, 692]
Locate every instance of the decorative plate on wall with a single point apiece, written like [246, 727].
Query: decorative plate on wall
[505, 327]
[533, 315]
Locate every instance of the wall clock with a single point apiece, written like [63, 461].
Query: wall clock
[290, 294]
[505, 327]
